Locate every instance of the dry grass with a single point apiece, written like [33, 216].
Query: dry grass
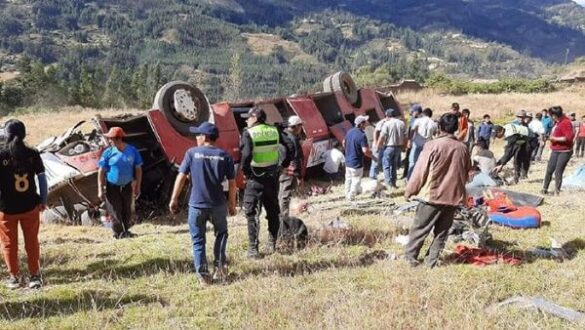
[96, 282]
[266, 44]
[5, 76]
[501, 105]
[41, 125]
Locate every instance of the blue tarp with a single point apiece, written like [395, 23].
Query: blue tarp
[481, 180]
[575, 181]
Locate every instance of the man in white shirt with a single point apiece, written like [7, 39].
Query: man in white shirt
[423, 130]
[376, 166]
[392, 140]
[334, 158]
[537, 128]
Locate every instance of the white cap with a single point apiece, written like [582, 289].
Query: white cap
[294, 121]
[360, 119]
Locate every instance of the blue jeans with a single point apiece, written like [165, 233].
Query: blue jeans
[376, 166]
[412, 158]
[197, 221]
[391, 163]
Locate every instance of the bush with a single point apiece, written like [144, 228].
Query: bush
[460, 87]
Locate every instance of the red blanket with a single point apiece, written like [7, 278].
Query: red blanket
[482, 257]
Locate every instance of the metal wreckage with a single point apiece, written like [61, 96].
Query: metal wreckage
[162, 137]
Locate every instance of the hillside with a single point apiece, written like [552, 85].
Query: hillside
[538, 28]
[116, 53]
[349, 281]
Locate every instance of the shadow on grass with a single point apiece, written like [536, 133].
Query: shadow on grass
[80, 240]
[87, 300]
[571, 248]
[112, 269]
[354, 236]
[303, 267]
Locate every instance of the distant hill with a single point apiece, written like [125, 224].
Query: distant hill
[116, 52]
[538, 28]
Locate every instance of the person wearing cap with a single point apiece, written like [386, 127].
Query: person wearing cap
[438, 179]
[20, 203]
[289, 176]
[393, 140]
[517, 141]
[259, 147]
[356, 148]
[207, 166]
[119, 180]
[422, 131]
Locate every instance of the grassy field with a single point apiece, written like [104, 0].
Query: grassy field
[96, 282]
[501, 105]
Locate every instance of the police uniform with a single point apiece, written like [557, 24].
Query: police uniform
[260, 157]
[517, 147]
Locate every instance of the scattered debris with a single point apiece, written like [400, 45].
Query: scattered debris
[556, 251]
[544, 306]
[410, 206]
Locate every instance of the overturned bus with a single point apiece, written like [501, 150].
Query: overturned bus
[162, 137]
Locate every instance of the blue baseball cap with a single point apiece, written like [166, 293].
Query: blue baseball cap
[416, 108]
[207, 129]
[390, 112]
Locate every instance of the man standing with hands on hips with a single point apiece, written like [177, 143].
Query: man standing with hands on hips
[119, 180]
[208, 166]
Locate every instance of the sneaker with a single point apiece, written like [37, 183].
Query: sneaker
[220, 273]
[35, 282]
[12, 282]
[128, 234]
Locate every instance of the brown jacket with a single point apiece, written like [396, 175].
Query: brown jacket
[441, 172]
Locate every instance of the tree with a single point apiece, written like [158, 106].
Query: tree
[87, 89]
[233, 85]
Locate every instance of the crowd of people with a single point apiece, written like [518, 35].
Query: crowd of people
[438, 163]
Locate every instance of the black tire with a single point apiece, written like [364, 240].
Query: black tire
[342, 82]
[165, 102]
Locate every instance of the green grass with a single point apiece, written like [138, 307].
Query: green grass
[96, 282]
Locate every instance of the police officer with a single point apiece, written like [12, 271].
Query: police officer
[517, 137]
[290, 174]
[260, 165]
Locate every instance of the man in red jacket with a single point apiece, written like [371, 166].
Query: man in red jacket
[561, 138]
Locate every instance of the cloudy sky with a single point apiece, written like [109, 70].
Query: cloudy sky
[581, 2]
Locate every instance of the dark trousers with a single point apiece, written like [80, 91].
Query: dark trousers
[288, 184]
[435, 218]
[580, 147]
[556, 164]
[406, 164]
[522, 162]
[261, 191]
[119, 206]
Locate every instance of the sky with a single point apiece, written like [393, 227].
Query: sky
[581, 2]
